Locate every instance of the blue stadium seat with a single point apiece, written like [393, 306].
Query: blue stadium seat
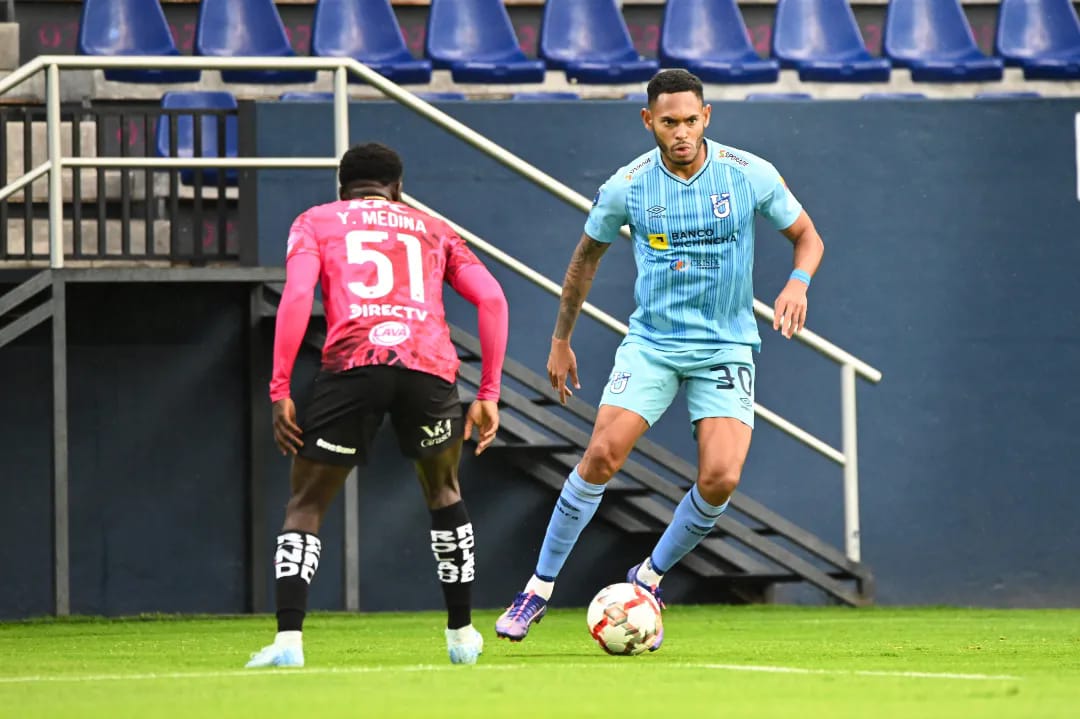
[637, 96]
[441, 96]
[368, 31]
[709, 38]
[934, 40]
[893, 96]
[545, 96]
[821, 40]
[766, 96]
[1041, 36]
[304, 96]
[130, 27]
[588, 40]
[476, 42]
[208, 140]
[1017, 95]
[246, 28]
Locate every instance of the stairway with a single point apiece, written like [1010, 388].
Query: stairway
[751, 549]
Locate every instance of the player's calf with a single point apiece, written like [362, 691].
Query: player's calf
[453, 545]
[296, 560]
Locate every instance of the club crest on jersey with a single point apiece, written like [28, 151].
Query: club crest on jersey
[618, 382]
[721, 205]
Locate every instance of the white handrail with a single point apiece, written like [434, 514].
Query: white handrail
[850, 364]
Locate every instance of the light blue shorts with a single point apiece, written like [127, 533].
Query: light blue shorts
[719, 383]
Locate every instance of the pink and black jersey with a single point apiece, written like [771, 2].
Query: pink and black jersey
[383, 265]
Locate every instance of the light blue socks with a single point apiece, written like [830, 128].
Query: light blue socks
[694, 519]
[576, 506]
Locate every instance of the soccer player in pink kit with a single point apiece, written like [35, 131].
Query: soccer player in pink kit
[381, 265]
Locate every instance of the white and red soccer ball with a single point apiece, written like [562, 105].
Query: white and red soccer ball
[624, 619]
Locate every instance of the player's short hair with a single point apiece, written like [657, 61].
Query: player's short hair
[373, 162]
[674, 80]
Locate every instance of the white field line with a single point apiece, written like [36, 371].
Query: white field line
[42, 678]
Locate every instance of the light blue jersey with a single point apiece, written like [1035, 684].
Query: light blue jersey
[693, 243]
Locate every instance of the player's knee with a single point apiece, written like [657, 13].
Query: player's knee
[718, 483]
[601, 461]
[304, 512]
[442, 497]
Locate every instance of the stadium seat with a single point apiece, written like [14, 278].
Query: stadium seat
[544, 96]
[637, 96]
[130, 27]
[1017, 95]
[765, 96]
[441, 96]
[246, 28]
[933, 39]
[303, 96]
[821, 40]
[476, 42]
[893, 96]
[709, 38]
[368, 31]
[1041, 36]
[589, 41]
[208, 140]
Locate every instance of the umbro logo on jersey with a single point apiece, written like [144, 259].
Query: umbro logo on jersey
[656, 210]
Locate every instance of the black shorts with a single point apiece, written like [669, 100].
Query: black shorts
[346, 408]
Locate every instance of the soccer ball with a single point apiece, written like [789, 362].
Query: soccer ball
[624, 619]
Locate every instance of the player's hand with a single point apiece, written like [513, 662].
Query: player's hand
[562, 364]
[286, 432]
[789, 311]
[484, 415]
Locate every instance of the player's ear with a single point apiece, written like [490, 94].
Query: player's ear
[646, 118]
[707, 114]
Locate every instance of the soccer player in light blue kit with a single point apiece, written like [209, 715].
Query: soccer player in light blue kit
[690, 204]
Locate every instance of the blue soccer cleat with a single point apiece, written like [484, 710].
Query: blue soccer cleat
[526, 609]
[277, 655]
[654, 590]
[464, 645]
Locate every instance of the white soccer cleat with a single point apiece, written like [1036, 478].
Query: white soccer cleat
[464, 645]
[277, 655]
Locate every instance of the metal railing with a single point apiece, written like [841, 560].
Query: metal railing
[851, 366]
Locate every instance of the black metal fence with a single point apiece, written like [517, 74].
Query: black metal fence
[130, 215]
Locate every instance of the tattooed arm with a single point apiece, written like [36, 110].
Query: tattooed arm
[577, 283]
[576, 286]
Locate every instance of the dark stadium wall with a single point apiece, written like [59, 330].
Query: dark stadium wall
[157, 453]
[950, 265]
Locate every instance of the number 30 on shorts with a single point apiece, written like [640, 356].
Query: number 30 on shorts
[726, 378]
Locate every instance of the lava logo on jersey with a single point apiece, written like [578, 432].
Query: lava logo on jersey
[678, 265]
[721, 205]
[389, 334]
[619, 381]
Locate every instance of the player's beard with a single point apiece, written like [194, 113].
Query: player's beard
[666, 150]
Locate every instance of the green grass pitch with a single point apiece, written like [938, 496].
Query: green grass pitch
[717, 661]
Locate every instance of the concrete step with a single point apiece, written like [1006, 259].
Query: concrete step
[39, 153]
[15, 241]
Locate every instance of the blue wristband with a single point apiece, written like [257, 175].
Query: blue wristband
[801, 276]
